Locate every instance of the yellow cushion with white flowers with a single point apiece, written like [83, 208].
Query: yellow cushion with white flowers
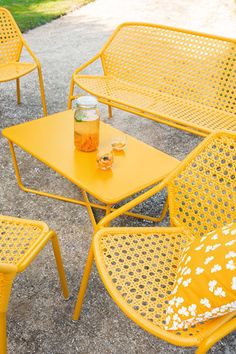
[205, 285]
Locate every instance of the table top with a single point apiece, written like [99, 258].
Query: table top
[51, 141]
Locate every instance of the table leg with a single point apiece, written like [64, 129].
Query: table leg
[90, 211]
[76, 201]
[108, 210]
[16, 168]
[46, 194]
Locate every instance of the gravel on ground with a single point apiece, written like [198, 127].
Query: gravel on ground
[39, 320]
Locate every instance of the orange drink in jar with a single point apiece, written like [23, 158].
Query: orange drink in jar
[86, 124]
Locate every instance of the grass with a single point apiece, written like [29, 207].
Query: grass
[32, 13]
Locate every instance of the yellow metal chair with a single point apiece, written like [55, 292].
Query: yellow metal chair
[11, 44]
[173, 76]
[20, 242]
[138, 265]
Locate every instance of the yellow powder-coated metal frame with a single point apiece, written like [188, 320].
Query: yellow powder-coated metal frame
[202, 197]
[173, 76]
[21, 241]
[86, 202]
[11, 44]
[57, 151]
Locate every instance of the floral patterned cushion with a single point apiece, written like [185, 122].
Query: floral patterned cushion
[205, 285]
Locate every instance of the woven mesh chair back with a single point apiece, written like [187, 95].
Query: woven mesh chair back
[203, 195]
[10, 38]
[185, 64]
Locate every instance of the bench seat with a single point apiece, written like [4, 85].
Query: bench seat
[169, 108]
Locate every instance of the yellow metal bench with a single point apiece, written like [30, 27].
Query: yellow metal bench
[177, 77]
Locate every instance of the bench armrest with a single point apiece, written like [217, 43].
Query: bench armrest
[82, 67]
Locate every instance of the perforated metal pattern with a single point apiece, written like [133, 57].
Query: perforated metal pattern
[17, 238]
[10, 41]
[141, 268]
[203, 196]
[155, 102]
[185, 65]
[178, 77]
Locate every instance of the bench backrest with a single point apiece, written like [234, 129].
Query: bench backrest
[185, 64]
[10, 38]
[202, 195]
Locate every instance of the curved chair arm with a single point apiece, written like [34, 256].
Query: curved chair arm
[82, 67]
[73, 80]
[161, 185]
[138, 200]
[221, 332]
[31, 53]
[99, 55]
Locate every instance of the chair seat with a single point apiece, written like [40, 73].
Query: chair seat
[156, 103]
[15, 70]
[138, 268]
[20, 239]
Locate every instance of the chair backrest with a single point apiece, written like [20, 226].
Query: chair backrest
[202, 195]
[10, 38]
[186, 64]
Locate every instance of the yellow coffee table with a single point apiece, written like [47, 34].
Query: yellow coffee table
[51, 141]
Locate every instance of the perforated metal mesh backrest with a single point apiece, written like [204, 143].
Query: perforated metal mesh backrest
[203, 195]
[10, 40]
[186, 65]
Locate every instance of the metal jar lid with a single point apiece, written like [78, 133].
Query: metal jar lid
[86, 102]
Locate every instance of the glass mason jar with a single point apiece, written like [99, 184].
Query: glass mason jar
[86, 123]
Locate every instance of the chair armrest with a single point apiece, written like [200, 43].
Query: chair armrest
[138, 200]
[31, 53]
[82, 67]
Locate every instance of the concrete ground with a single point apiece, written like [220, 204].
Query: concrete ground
[39, 320]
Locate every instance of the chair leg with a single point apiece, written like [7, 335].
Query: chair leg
[71, 93]
[18, 90]
[42, 91]
[109, 111]
[60, 268]
[3, 333]
[84, 283]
